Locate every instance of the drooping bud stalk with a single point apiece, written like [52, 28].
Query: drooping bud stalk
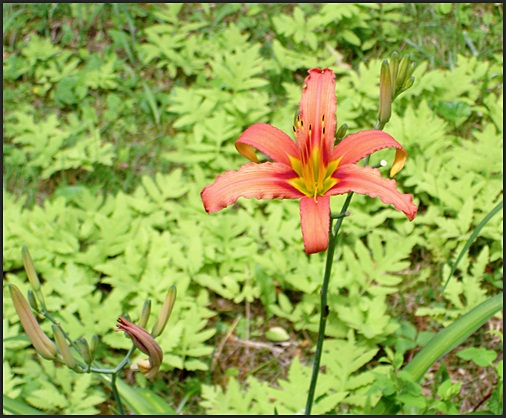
[385, 106]
[85, 350]
[63, 347]
[146, 310]
[40, 341]
[163, 317]
[144, 342]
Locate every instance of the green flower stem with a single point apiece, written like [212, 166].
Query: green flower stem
[116, 394]
[323, 311]
[326, 278]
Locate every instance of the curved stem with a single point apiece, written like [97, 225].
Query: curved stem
[113, 372]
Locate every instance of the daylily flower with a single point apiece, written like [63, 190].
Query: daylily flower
[310, 169]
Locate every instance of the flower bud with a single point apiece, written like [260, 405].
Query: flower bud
[403, 69]
[146, 310]
[410, 71]
[394, 68]
[32, 300]
[144, 342]
[385, 106]
[63, 347]
[93, 345]
[40, 341]
[29, 268]
[168, 304]
[85, 350]
[341, 133]
[409, 82]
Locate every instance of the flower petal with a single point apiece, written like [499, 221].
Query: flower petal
[357, 146]
[270, 140]
[319, 99]
[367, 180]
[262, 181]
[315, 222]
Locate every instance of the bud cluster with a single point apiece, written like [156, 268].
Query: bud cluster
[61, 348]
[395, 77]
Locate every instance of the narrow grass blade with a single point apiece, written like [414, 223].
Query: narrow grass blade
[471, 240]
[453, 335]
[443, 342]
[152, 103]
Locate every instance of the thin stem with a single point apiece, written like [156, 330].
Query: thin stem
[113, 372]
[326, 278]
[116, 394]
[118, 368]
[324, 308]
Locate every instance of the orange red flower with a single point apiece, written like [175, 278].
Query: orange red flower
[312, 168]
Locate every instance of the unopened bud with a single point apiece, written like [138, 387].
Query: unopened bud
[146, 310]
[341, 132]
[163, 317]
[403, 69]
[385, 106]
[32, 300]
[29, 268]
[93, 345]
[40, 341]
[85, 351]
[408, 83]
[410, 71]
[63, 347]
[400, 74]
[394, 68]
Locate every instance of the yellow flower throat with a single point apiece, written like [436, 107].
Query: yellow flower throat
[315, 175]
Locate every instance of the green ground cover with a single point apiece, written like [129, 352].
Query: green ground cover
[117, 115]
